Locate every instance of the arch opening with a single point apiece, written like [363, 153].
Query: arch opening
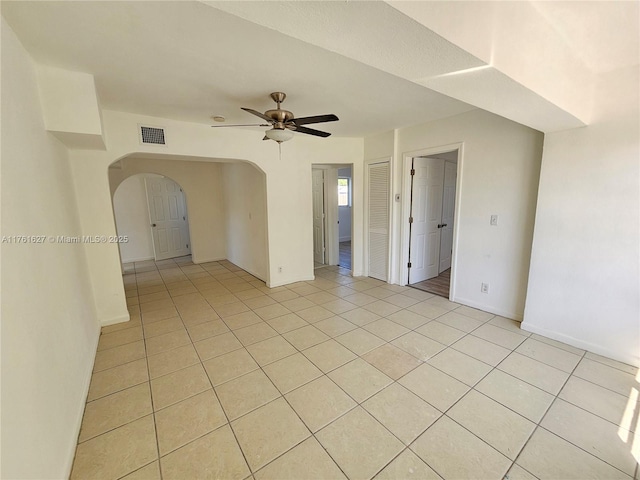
[151, 218]
[227, 207]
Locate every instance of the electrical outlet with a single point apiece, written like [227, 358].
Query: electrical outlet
[279, 269]
[484, 287]
[494, 220]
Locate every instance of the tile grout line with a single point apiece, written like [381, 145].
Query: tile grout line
[358, 356]
[282, 395]
[228, 421]
[539, 423]
[212, 388]
[357, 403]
[153, 406]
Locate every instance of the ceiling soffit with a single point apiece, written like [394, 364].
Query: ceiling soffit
[394, 37]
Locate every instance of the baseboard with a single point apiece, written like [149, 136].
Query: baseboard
[197, 260]
[113, 320]
[258, 276]
[487, 308]
[280, 283]
[576, 342]
[140, 259]
[78, 422]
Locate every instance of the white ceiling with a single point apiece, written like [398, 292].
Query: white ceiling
[370, 63]
[188, 61]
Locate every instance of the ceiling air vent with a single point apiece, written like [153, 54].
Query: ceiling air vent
[152, 135]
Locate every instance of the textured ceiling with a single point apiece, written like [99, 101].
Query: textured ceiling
[188, 61]
[377, 65]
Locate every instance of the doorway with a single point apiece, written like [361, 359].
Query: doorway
[168, 218]
[151, 211]
[332, 215]
[431, 220]
[319, 238]
[344, 217]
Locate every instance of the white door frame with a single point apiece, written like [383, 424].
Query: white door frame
[330, 199]
[365, 219]
[332, 253]
[322, 222]
[407, 157]
[448, 228]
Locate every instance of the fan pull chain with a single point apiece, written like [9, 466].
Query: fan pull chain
[280, 151]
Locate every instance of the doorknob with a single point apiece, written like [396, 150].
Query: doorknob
[442, 225]
[153, 225]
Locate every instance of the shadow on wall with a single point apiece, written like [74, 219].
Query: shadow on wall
[131, 212]
[151, 211]
[227, 215]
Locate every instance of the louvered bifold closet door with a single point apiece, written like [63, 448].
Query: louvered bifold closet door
[378, 241]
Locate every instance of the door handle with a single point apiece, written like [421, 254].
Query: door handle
[442, 225]
[153, 225]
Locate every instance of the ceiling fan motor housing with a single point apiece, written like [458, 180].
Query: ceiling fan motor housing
[279, 116]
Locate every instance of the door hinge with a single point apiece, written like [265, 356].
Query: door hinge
[409, 265]
[187, 245]
[184, 218]
[413, 172]
[410, 219]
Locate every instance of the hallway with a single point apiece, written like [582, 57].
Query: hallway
[345, 255]
[218, 376]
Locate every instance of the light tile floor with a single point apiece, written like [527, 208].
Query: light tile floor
[218, 376]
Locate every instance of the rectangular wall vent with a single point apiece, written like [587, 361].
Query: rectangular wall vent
[152, 135]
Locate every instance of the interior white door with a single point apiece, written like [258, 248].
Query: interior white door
[448, 209]
[426, 213]
[168, 215]
[317, 189]
[378, 177]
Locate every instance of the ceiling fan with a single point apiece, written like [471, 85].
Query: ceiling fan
[283, 123]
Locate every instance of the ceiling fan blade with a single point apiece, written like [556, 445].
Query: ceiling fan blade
[244, 125]
[266, 138]
[315, 119]
[310, 131]
[258, 114]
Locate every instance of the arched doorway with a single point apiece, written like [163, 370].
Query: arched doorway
[150, 211]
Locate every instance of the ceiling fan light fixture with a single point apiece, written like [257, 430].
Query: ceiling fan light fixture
[279, 135]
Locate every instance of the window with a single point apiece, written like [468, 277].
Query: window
[344, 192]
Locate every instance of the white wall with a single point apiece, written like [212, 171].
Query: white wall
[500, 172]
[246, 217]
[49, 325]
[289, 222]
[71, 107]
[201, 183]
[379, 146]
[344, 212]
[131, 210]
[584, 281]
